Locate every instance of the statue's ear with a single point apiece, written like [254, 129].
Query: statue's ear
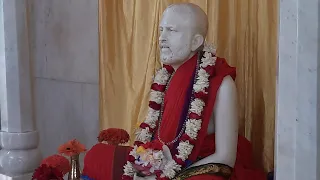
[197, 41]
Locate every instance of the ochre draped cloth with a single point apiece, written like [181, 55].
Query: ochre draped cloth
[174, 104]
[244, 32]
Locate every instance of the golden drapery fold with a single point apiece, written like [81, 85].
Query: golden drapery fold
[245, 33]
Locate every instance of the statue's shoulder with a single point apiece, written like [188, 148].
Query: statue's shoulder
[223, 69]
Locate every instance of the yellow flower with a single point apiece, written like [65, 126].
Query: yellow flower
[141, 150]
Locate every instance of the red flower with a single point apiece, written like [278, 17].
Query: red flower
[194, 116]
[185, 137]
[155, 145]
[71, 148]
[179, 161]
[138, 143]
[124, 177]
[144, 125]
[201, 95]
[131, 158]
[158, 87]
[59, 162]
[210, 70]
[114, 136]
[161, 178]
[154, 105]
[45, 172]
[170, 69]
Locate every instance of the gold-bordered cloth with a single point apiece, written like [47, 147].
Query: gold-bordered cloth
[206, 169]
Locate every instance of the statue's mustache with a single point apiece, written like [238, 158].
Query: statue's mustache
[164, 46]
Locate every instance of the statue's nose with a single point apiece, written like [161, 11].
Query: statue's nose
[163, 36]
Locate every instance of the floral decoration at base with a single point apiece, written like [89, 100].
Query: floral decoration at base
[59, 162]
[149, 158]
[45, 172]
[52, 167]
[113, 136]
[73, 149]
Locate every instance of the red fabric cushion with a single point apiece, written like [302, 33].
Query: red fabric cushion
[105, 162]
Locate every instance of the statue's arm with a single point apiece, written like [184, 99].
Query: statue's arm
[226, 125]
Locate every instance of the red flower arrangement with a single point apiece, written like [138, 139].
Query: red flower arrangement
[59, 162]
[114, 136]
[155, 145]
[72, 148]
[45, 172]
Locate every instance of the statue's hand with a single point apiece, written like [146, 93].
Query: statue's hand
[168, 157]
[167, 152]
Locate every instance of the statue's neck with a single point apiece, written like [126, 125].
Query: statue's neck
[176, 66]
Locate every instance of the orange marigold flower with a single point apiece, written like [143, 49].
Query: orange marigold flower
[59, 162]
[114, 136]
[71, 148]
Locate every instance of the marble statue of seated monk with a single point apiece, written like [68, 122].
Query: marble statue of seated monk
[192, 110]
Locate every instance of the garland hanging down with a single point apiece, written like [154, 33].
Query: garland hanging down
[189, 132]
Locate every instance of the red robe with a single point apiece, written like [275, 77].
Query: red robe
[103, 158]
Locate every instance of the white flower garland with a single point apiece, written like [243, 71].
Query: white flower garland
[152, 117]
[193, 126]
[171, 168]
[162, 77]
[144, 135]
[197, 106]
[129, 170]
[184, 150]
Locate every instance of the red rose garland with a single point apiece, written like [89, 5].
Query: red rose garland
[192, 125]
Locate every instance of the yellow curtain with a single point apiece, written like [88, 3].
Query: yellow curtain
[245, 33]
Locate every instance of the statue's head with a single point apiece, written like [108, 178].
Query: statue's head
[183, 29]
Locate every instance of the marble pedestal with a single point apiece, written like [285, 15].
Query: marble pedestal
[19, 154]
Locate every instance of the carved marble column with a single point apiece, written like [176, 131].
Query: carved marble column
[19, 154]
[298, 101]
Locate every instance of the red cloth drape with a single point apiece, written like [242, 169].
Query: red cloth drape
[174, 101]
[105, 162]
[99, 162]
[244, 167]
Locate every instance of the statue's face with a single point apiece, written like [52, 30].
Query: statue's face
[176, 36]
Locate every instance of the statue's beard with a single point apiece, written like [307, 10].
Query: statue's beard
[169, 57]
[166, 57]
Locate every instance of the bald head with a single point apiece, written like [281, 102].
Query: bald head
[183, 29]
[191, 14]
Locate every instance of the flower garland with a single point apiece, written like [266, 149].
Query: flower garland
[194, 120]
